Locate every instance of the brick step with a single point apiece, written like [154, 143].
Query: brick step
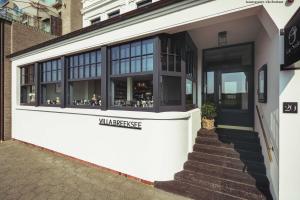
[231, 153]
[226, 143]
[223, 186]
[237, 164]
[192, 191]
[242, 137]
[254, 179]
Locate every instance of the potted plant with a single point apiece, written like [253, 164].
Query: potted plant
[209, 112]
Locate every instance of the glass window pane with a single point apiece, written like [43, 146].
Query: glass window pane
[59, 75]
[48, 78]
[125, 51]
[136, 64]
[49, 66]
[54, 75]
[54, 65]
[140, 95]
[189, 92]
[71, 73]
[85, 93]
[93, 70]
[87, 58]
[148, 63]
[75, 59]
[98, 69]
[178, 64]
[125, 68]
[71, 62]
[171, 63]
[59, 64]
[93, 57]
[81, 59]
[164, 62]
[210, 87]
[115, 67]
[115, 53]
[81, 71]
[136, 49]
[75, 72]
[51, 94]
[28, 94]
[87, 71]
[99, 59]
[171, 91]
[148, 46]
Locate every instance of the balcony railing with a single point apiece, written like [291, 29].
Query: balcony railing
[23, 18]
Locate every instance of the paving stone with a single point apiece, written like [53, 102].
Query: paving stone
[28, 173]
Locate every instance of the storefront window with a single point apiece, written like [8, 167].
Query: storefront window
[132, 57]
[132, 92]
[84, 79]
[51, 82]
[171, 91]
[85, 93]
[27, 85]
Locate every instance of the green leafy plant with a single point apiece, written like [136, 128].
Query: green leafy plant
[209, 111]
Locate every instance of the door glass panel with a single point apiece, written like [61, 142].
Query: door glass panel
[234, 93]
[210, 86]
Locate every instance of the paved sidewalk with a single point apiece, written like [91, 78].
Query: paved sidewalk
[29, 173]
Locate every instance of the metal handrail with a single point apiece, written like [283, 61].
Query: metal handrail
[270, 148]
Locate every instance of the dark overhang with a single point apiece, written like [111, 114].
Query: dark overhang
[128, 15]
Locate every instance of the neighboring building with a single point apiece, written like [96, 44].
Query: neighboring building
[95, 11]
[124, 93]
[70, 12]
[14, 37]
[38, 14]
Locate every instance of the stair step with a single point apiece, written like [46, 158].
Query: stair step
[237, 164]
[229, 144]
[232, 153]
[254, 179]
[234, 137]
[192, 191]
[223, 186]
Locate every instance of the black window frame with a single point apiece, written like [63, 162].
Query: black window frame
[143, 3]
[131, 74]
[95, 20]
[156, 50]
[31, 83]
[113, 14]
[57, 81]
[84, 65]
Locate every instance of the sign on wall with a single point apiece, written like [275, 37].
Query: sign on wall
[290, 107]
[292, 40]
[120, 123]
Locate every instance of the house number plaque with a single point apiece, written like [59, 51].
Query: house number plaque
[290, 107]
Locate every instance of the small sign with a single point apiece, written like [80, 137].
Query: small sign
[292, 40]
[131, 124]
[290, 107]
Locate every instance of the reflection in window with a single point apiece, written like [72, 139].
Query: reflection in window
[84, 72]
[85, 93]
[171, 91]
[210, 86]
[132, 92]
[27, 85]
[51, 82]
[133, 57]
[51, 94]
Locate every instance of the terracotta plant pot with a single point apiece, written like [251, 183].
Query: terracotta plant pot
[208, 123]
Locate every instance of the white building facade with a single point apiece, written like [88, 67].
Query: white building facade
[137, 80]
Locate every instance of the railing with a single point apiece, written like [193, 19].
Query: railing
[23, 18]
[270, 148]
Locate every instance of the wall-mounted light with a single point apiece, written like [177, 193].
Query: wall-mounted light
[222, 38]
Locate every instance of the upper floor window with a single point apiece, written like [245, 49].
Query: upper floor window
[143, 3]
[51, 82]
[28, 90]
[84, 79]
[96, 20]
[132, 57]
[113, 14]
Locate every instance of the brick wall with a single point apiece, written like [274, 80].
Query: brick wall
[17, 37]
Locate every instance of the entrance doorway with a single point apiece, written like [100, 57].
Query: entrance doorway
[228, 83]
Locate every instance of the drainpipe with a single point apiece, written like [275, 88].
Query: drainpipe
[1, 81]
